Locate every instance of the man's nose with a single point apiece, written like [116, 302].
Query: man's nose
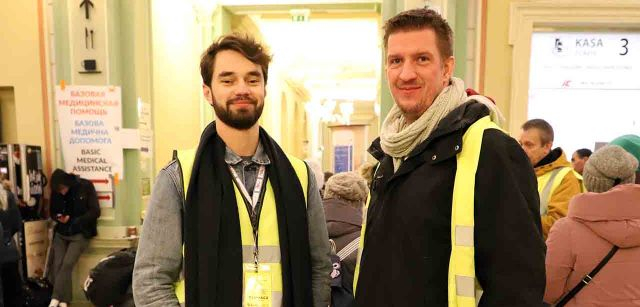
[242, 88]
[408, 72]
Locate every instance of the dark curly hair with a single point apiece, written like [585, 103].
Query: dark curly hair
[243, 44]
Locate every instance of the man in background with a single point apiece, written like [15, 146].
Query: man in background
[579, 158]
[557, 183]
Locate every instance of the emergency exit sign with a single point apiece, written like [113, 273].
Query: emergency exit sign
[300, 15]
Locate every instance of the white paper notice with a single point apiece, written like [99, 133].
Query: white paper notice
[90, 120]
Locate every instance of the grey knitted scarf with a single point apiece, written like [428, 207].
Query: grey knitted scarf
[398, 138]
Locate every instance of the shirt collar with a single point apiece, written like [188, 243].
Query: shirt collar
[260, 157]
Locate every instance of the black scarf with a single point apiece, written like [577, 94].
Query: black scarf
[213, 253]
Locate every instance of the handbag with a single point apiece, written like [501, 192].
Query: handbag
[587, 279]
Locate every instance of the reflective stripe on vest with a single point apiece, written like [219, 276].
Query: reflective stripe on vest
[356, 273]
[269, 239]
[548, 183]
[464, 290]
[463, 287]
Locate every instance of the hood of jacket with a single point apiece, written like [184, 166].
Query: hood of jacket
[341, 218]
[555, 159]
[613, 215]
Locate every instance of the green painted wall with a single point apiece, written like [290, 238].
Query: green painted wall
[389, 9]
[129, 55]
[457, 20]
[460, 38]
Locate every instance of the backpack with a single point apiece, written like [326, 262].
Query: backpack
[109, 281]
[341, 293]
[37, 292]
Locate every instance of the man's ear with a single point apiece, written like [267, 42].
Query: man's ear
[449, 65]
[547, 147]
[208, 95]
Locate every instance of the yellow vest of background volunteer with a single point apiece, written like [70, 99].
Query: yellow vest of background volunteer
[548, 183]
[463, 287]
[268, 234]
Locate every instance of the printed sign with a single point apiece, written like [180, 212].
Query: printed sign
[90, 120]
[586, 85]
[342, 158]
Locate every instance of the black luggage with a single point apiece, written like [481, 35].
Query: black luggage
[37, 292]
[109, 281]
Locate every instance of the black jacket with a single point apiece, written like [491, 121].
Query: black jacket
[343, 223]
[81, 204]
[405, 260]
[11, 223]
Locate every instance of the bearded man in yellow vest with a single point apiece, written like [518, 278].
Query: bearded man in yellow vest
[557, 182]
[452, 218]
[236, 222]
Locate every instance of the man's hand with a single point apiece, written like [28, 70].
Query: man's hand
[62, 218]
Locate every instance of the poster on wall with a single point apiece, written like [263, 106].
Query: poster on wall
[342, 158]
[586, 85]
[90, 121]
[146, 147]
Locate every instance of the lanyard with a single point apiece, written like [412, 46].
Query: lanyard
[253, 204]
[257, 189]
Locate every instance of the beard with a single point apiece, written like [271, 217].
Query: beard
[242, 119]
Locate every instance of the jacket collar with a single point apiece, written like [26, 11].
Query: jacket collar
[260, 157]
[457, 120]
[555, 159]
[447, 138]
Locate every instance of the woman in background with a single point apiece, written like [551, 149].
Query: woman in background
[607, 216]
[344, 196]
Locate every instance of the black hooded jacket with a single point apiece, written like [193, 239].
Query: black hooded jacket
[405, 260]
[80, 203]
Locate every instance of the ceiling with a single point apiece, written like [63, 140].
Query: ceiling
[336, 58]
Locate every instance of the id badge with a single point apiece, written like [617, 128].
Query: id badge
[257, 286]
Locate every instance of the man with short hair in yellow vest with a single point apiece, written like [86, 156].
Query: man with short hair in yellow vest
[236, 222]
[557, 181]
[452, 218]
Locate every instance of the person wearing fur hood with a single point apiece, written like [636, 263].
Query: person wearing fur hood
[608, 215]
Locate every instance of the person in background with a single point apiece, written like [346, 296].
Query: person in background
[579, 158]
[316, 169]
[1, 262]
[6, 185]
[608, 215]
[453, 205]
[557, 182]
[366, 170]
[344, 197]
[630, 143]
[327, 175]
[75, 209]
[11, 222]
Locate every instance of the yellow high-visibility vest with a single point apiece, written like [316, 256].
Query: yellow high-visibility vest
[463, 287]
[269, 242]
[551, 180]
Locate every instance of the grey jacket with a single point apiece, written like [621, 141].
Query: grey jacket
[159, 257]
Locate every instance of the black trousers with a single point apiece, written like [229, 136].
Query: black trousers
[11, 284]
